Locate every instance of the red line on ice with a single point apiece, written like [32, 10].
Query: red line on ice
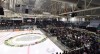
[28, 51]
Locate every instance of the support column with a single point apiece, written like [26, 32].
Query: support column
[0, 2]
[35, 19]
[85, 4]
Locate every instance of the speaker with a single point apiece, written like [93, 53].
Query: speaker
[17, 5]
[73, 14]
[26, 11]
[1, 10]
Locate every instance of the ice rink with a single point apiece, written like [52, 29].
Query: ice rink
[45, 47]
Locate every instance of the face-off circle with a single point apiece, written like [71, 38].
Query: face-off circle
[25, 40]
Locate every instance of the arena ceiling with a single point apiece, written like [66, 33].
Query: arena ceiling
[93, 2]
[59, 6]
[89, 4]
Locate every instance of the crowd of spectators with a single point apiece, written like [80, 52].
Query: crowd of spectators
[79, 42]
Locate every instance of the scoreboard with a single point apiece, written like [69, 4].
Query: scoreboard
[29, 20]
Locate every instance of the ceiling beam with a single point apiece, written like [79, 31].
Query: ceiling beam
[82, 10]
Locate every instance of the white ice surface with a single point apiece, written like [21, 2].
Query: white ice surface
[46, 47]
